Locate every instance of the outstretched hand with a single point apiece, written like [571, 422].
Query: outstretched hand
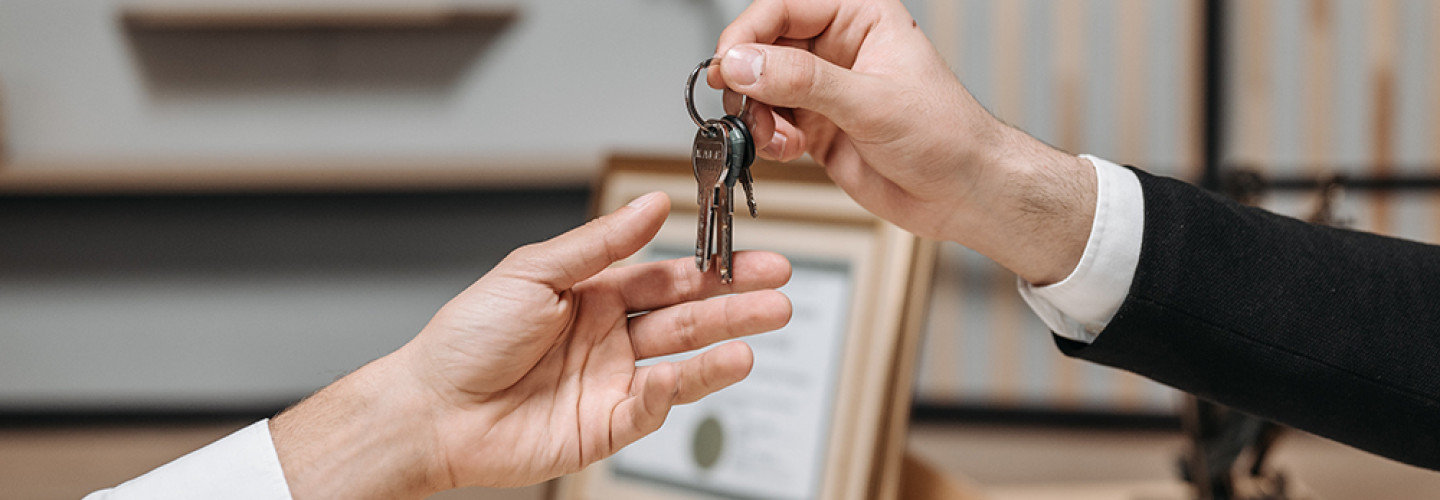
[857, 85]
[530, 373]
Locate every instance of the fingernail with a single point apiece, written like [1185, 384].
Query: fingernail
[776, 146]
[643, 200]
[743, 65]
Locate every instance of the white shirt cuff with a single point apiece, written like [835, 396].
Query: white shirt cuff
[1079, 307]
[240, 466]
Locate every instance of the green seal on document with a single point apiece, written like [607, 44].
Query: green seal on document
[708, 442]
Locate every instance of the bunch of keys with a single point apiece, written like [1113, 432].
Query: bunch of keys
[722, 155]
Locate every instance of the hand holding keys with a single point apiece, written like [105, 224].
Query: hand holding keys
[722, 154]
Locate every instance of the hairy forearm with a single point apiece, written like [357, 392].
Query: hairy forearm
[365, 436]
[1033, 209]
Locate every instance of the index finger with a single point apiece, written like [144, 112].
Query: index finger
[654, 285]
[766, 21]
[572, 257]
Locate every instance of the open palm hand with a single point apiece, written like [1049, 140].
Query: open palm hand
[535, 364]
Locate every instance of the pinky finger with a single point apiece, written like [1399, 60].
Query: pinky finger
[758, 116]
[645, 410]
[660, 386]
[713, 370]
[786, 142]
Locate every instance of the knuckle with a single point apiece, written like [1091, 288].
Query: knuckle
[734, 328]
[688, 329]
[691, 283]
[523, 256]
[799, 77]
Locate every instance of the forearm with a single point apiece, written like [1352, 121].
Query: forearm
[368, 435]
[1031, 206]
[1319, 328]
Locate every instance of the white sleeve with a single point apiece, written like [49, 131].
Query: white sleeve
[1080, 306]
[240, 466]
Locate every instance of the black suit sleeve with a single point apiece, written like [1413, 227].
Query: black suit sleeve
[1331, 331]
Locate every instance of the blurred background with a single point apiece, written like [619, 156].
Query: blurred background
[211, 208]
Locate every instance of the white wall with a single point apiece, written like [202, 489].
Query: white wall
[561, 85]
[148, 303]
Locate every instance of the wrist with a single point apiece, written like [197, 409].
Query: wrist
[369, 435]
[1033, 209]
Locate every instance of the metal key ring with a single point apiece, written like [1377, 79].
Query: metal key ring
[690, 95]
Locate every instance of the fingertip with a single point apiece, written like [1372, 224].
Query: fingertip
[782, 148]
[743, 65]
[761, 120]
[786, 309]
[651, 208]
[580, 253]
[735, 359]
[786, 270]
[651, 199]
[769, 310]
[771, 269]
[720, 367]
[713, 78]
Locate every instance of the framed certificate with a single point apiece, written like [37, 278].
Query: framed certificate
[823, 412]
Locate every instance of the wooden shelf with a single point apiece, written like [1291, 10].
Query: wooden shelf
[207, 176]
[210, 177]
[313, 14]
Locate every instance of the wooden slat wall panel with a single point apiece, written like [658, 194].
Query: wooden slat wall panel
[1370, 80]
[1316, 86]
[1312, 87]
[1115, 78]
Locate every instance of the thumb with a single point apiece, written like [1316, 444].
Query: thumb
[788, 77]
[580, 253]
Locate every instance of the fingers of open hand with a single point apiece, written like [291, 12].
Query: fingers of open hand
[653, 391]
[654, 285]
[580, 253]
[658, 387]
[712, 370]
[693, 325]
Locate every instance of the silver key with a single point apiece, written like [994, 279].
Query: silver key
[748, 182]
[714, 157]
[725, 211]
[725, 199]
[708, 156]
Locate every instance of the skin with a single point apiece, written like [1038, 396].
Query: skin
[857, 85]
[530, 373]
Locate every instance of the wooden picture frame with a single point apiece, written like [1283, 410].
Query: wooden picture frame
[4, 152]
[857, 435]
